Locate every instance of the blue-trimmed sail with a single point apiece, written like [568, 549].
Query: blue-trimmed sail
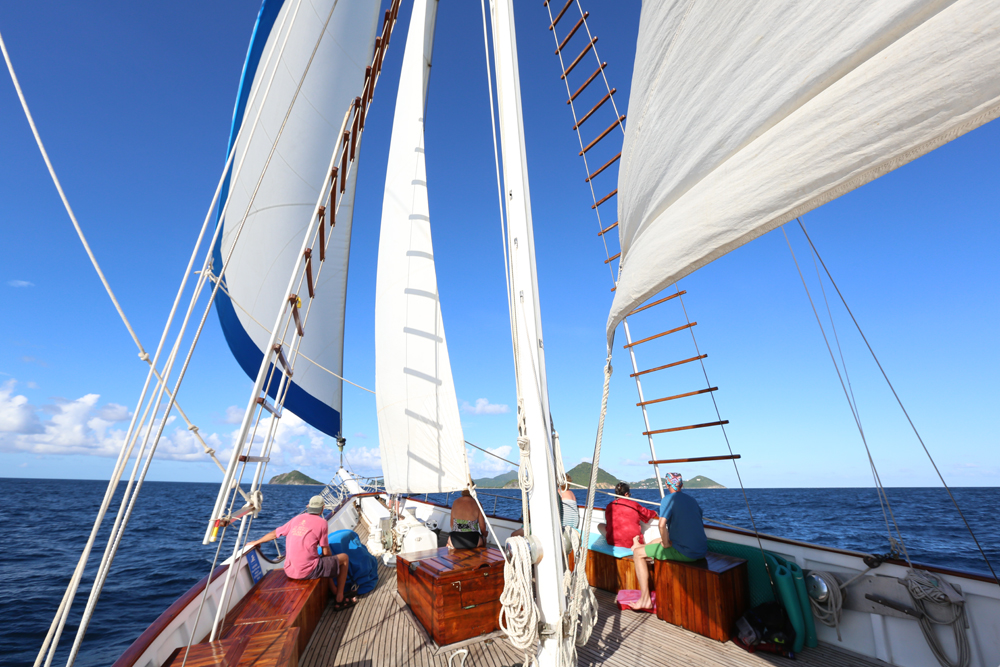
[277, 196]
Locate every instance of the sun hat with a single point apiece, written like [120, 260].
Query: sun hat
[315, 505]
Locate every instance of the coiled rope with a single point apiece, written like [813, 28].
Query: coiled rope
[518, 612]
[929, 593]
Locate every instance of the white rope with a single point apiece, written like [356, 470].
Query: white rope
[518, 611]
[929, 593]
[580, 567]
[829, 612]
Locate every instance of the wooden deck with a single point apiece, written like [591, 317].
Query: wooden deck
[377, 633]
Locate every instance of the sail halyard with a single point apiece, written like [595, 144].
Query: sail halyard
[420, 431]
[533, 401]
[799, 106]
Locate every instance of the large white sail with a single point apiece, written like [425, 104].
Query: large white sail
[420, 431]
[283, 201]
[744, 115]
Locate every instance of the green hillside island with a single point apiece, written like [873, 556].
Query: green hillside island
[498, 482]
[580, 475]
[296, 478]
[696, 482]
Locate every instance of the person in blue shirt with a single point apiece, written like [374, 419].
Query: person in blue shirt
[682, 537]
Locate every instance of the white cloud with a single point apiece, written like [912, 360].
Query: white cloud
[16, 415]
[34, 360]
[361, 435]
[484, 465]
[32, 385]
[234, 415]
[484, 407]
[20, 283]
[112, 412]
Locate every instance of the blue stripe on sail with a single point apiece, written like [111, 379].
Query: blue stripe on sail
[247, 354]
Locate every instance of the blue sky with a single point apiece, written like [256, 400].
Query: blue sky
[134, 102]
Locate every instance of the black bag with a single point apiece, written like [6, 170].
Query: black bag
[766, 628]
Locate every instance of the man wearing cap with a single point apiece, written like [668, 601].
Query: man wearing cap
[682, 536]
[303, 534]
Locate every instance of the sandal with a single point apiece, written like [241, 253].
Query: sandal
[346, 603]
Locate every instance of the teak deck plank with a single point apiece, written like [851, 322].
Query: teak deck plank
[377, 633]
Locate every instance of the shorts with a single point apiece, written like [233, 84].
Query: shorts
[465, 539]
[326, 566]
[659, 552]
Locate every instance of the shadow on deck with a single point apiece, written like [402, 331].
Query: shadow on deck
[376, 633]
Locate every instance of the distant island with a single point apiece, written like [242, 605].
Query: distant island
[696, 482]
[296, 478]
[581, 475]
[605, 480]
[498, 482]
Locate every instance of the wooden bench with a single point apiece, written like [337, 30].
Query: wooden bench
[706, 596]
[277, 648]
[278, 603]
[612, 574]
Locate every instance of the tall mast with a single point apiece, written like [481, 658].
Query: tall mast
[526, 323]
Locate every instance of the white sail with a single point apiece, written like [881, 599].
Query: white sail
[420, 431]
[267, 248]
[744, 115]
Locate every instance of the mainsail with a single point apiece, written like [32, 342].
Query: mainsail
[289, 48]
[420, 431]
[744, 115]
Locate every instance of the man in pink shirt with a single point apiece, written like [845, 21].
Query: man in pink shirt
[303, 534]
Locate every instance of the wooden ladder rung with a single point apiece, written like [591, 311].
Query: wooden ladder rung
[608, 228]
[293, 302]
[606, 198]
[572, 32]
[676, 363]
[686, 428]
[665, 333]
[280, 353]
[267, 406]
[656, 303]
[560, 14]
[613, 257]
[322, 234]
[587, 82]
[606, 165]
[576, 62]
[603, 134]
[607, 96]
[254, 459]
[670, 398]
[309, 272]
[695, 460]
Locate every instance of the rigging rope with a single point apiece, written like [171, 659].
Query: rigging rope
[900, 402]
[857, 421]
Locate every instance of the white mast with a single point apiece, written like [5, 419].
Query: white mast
[527, 332]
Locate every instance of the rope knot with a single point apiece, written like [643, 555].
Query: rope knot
[523, 443]
[144, 355]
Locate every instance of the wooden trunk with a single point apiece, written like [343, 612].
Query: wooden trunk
[706, 596]
[454, 594]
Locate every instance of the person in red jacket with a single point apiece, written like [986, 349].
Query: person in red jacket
[622, 518]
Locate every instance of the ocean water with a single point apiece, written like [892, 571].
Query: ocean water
[46, 523]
